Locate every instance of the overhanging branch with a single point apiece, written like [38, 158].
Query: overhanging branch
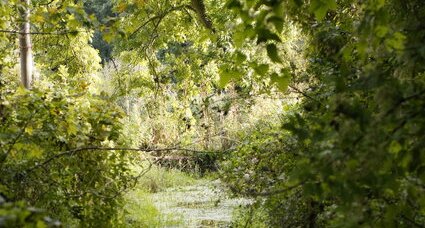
[149, 150]
[42, 33]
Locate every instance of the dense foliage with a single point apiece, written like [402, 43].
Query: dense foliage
[44, 132]
[314, 108]
[359, 129]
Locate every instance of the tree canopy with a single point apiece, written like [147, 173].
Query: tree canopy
[315, 109]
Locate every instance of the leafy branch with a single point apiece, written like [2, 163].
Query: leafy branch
[16, 139]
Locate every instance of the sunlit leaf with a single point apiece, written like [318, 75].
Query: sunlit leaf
[281, 81]
[227, 75]
[261, 69]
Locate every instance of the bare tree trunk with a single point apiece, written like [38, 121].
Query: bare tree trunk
[25, 45]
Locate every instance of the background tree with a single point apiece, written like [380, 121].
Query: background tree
[25, 45]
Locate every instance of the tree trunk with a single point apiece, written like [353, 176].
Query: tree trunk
[25, 45]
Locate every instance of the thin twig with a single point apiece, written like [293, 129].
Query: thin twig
[305, 94]
[160, 17]
[403, 100]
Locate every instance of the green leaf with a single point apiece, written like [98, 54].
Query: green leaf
[108, 36]
[265, 35]
[239, 37]
[35, 151]
[261, 69]
[273, 54]
[320, 13]
[122, 33]
[277, 22]
[228, 74]
[73, 24]
[281, 81]
[332, 4]
[381, 31]
[29, 130]
[240, 57]
[41, 224]
[321, 7]
[233, 4]
[395, 147]
[396, 42]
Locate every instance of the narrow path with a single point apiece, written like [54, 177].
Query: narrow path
[204, 204]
